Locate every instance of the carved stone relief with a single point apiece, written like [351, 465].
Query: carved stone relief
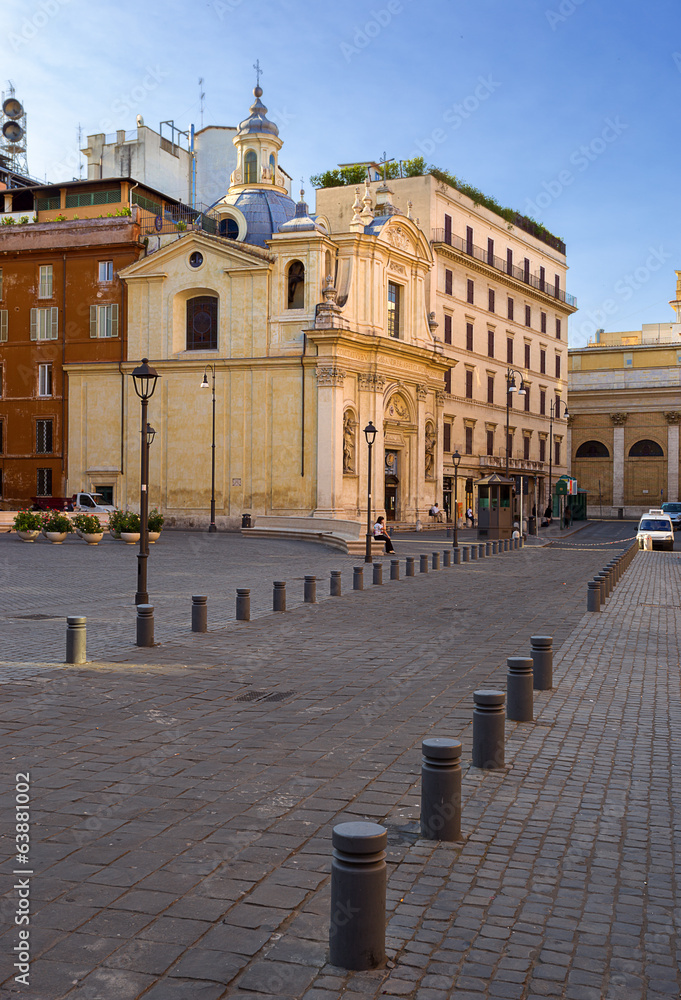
[329, 375]
[397, 408]
[619, 419]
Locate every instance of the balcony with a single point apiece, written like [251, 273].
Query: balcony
[522, 465]
[499, 264]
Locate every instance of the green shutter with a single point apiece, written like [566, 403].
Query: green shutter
[54, 324]
[114, 320]
[34, 324]
[93, 321]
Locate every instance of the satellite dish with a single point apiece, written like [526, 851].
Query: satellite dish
[12, 131]
[12, 108]
[140, 121]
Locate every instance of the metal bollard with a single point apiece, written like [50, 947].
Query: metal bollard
[441, 789]
[310, 590]
[601, 582]
[199, 614]
[465, 554]
[243, 604]
[335, 585]
[358, 890]
[541, 650]
[279, 596]
[145, 624]
[482, 550]
[436, 560]
[378, 572]
[424, 564]
[519, 695]
[593, 596]
[358, 578]
[457, 557]
[394, 569]
[447, 558]
[495, 548]
[76, 638]
[473, 552]
[488, 729]
[488, 548]
[410, 565]
[507, 544]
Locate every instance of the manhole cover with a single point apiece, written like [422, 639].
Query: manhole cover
[251, 696]
[37, 618]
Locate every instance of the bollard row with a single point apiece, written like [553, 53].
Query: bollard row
[601, 587]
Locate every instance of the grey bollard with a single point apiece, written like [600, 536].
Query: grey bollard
[495, 548]
[335, 584]
[358, 578]
[593, 596]
[199, 614]
[279, 596]
[541, 650]
[488, 729]
[145, 624]
[436, 560]
[519, 693]
[394, 569]
[447, 558]
[482, 550]
[473, 552]
[243, 604]
[488, 548]
[310, 590]
[441, 789]
[410, 566]
[76, 638]
[604, 590]
[358, 891]
[465, 554]
[378, 572]
[457, 557]
[424, 564]
[506, 544]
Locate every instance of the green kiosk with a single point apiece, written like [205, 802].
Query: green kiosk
[494, 506]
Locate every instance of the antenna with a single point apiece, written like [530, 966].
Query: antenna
[80, 154]
[202, 98]
[13, 132]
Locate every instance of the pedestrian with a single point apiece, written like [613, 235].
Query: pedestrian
[435, 512]
[469, 516]
[380, 532]
[547, 513]
[568, 517]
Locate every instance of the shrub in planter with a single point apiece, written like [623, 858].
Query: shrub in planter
[129, 521]
[56, 522]
[115, 522]
[27, 520]
[87, 524]
[156, 520]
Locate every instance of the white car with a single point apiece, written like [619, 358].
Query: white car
[658, 527]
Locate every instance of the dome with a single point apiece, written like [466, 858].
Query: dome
[257, 121]
[264, 211]
[301, 222]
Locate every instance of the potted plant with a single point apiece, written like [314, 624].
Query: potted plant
[56, 526]
[129, 527]
[155, 525]
[89, 528]
[27, 525]
[115, 523]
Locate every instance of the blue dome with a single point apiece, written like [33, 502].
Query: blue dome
[264, 212]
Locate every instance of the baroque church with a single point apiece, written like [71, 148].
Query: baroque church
[306, 335]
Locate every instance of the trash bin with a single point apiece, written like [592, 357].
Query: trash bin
[532, 525]
[246, 521]
[620, 513]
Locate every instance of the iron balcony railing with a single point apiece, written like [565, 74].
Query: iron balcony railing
[533, 280]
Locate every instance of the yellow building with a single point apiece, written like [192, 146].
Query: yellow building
[311, 331]
[625, 409]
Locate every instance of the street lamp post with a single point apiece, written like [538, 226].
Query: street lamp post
[144, 379]
[370, 433]
[554, 411]
[456, 460]
[511, 387]
[204, 385]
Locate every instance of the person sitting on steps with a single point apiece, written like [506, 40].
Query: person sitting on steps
[380, 533]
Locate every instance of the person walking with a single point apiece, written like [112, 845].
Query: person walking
[380, 532]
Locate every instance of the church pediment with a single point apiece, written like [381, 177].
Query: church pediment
[193, 252]
[403, 236]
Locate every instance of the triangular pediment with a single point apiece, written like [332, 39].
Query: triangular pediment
[402, 234]
[226, 254]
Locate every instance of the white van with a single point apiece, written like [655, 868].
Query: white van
[658, 527]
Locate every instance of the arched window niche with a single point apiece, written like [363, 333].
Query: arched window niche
[202, 323]
[273, 169]
[295, 283]
[646, 449]
[592, 449]
[250, 167]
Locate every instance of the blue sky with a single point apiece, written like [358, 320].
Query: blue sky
[578, 125]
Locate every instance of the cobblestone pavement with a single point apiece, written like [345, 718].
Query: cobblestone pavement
[183, 798]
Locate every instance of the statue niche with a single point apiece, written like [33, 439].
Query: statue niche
[348, 443]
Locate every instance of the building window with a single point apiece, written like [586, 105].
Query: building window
[509, 444]
[542, 402]
[0, 282]
[490, 343]
[526, 271]
[509, 350]
[592, 449]
[490, 388]
[448, 329]
[229, 228]
[446, 437]
[273, 168]
[2, 437]
[509, 262]
[104, 320]
[469, 384]
[490, 251]
[44, 380]
[528, 316]
[490, 300]
[542, 322]
[526, 448]
[469, 440]
[1, 373]
[542, 279]
[490, 442]
[469, 336]
[45, 286]
[527, 355]
[526, 397]
[470, 287]
[393, 309]
[557, 365]
[202, 323]
[448, 282]
[542, 449]
[509, 303]
[296, 285]
[448, 229]
[469, 241]
[43, 437]
[542, 361]
[250, 167]
[44, 482]
[556, 285]
[105, 270]
[448, 381]
[556, 455]
[4, 323]
[45, 323]
[558, 331]
[195, 259]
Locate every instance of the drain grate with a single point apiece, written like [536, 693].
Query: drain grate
[265, 696]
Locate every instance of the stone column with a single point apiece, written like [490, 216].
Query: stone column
[329, 440]
[424, 487]
[371, 408]
[619, 420]
[673, 417]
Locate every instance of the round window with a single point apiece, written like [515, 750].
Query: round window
[196, 259]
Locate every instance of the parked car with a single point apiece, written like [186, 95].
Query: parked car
[658, 526]
[674, 511]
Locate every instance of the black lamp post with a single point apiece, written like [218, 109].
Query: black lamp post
[456, 459]
[370, 433]
[204, 385]
[511, 387]
[144, 378]
[554, 411]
